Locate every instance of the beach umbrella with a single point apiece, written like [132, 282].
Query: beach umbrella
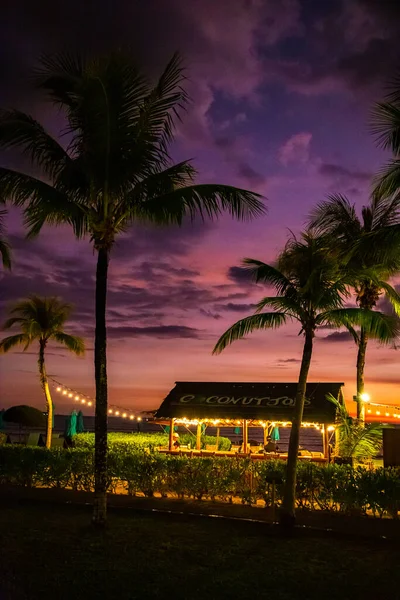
[70, 425]
[275, 437]
[1, 419]
[168, 428]
[80, 427]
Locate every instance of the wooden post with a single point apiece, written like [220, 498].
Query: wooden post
[325, 442]
[265, 435]
[217, 442]
[198, 437]
[245, 436]
[171, 434]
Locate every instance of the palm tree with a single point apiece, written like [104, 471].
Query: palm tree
[353, 440]
[41, 320]
[311, 291]
[4, 245]
[368, 275]
[116, 170]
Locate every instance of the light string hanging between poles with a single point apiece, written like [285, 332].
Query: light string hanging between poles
[78, 397]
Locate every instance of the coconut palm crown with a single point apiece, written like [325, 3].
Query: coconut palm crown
[41, 320]
[367, 273]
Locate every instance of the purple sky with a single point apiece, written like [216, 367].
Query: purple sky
[281, 92]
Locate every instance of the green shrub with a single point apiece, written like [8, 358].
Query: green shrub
[137, 470]
[152, 441]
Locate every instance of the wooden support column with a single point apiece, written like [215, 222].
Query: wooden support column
[171, 434]
[325, 441]
[217, 441]
[265, 434]
[245, 436]
[198, 437]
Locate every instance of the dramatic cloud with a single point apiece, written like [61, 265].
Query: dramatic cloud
[338, 336]
[233, 307]
[239, 275]
[162, 331]
[296, 149]
[341, 174]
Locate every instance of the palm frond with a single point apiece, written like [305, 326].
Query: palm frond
[380, 326]
[5, 250]
[247, 325]
[283, 304]
[207, 201]
[385, 125]
[43, 203]
[19, 130]
[387, 181]
[161, 108]
[10, 342]
[336, 217]
[385, 211]
[60, 76]
[261, 272]
[392, 295]
[353, 439]
[74, 343]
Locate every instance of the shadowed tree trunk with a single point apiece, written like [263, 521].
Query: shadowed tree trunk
[46, 390]
[287, 516]
[362, 349]
[100, 361]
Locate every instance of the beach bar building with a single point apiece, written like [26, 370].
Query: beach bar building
[247, 405]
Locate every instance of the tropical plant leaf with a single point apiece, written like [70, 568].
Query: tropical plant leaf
[268, 274]
[245, 326]
[383, 327]
[74, 343]
[207, 201]
[10, 342]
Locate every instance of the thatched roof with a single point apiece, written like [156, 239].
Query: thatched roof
[257, 401]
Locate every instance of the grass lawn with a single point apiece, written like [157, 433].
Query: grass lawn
[53, 552]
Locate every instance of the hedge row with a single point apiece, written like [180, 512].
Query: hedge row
[332, 487]
[151, 440]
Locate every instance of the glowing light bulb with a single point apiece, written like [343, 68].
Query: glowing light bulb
[110, 411]
[369, 410]
[131, 417]
[90, 403]
[76, 397]
[124, 415]
[387, 414]
[65, 392]
[365, 397]
[83, 401]
[58, 389]
[117, 412]
[331, 428]
[139, 418]
[378, 412]
[70, 395]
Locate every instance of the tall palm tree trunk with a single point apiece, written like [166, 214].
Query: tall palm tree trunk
[287, 515]
[362, 349]
[45, 386]
[100, 364]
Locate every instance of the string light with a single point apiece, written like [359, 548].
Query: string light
[86, 400]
